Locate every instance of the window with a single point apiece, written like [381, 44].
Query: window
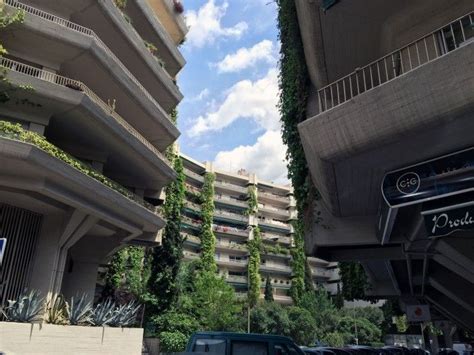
[245, 348]
[285, 349]
[213, 346]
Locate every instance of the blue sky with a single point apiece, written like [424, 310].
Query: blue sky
[230, 85]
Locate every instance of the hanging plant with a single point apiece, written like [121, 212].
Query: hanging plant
[208, 239]
[254, 246]
[178, 6]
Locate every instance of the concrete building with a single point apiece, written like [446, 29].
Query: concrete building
[233, 228]
[97, 82]
[389, 143]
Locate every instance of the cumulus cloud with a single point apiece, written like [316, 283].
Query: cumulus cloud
[244, 58]
[266, 158]
[255, 100]
[205, 25]
[199, 97]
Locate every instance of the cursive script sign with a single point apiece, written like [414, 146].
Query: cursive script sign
[446, 222]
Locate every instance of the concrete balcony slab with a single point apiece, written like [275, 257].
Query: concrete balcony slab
[427, 110]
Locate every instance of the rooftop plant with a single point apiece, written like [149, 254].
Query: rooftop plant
[28, 307]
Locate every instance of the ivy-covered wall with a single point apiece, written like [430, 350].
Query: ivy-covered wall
[294, 85]
[254, 246]
[208, 239]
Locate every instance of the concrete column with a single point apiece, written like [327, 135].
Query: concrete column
[44, 267]
[99, 166]
[37, 128]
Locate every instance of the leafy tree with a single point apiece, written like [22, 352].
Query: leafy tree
[214, 302]
[268, 290]
[334, 339]
[302, 326]
[269, 318]
[354, 280]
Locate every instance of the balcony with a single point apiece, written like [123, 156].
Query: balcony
[194, 223]
[79, 113]
[222, 185]
[170, 18]
[275, 238]
[230, 216]
[236, 279]
[192, 206]
[150, 28]
[275, 268]
[383, 116]
[237, 263]
[274, 211]
[192, 188]
[226, 230]
[74, 49]
[188, 255]
[274, 224]
[194, 176]
[271, 197]
[231, 201]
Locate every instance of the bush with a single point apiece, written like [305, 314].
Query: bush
[172, 342]
[302, 326]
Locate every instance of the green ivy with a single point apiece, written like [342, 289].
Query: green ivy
[294, 86]
[252, 208]
[164, 261]
[268, 290]
[14, 131]
[254, 247]
[277, 249]
[121, 4]
[354, 281]
[208, 239]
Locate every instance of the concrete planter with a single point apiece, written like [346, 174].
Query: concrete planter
[49, 339]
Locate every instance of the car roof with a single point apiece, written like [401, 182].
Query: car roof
[243, 336]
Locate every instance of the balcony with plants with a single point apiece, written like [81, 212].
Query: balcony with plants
[14, 132]
[112, 80]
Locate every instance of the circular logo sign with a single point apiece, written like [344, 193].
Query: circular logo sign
[408, 183]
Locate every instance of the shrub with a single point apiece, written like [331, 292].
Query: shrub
[172, 342]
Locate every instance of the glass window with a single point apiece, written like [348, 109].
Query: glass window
[285, 349]
[245, 348]
[213, 346]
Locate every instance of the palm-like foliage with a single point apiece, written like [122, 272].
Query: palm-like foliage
[27, 308]
[57, 310]
[79, 311]
[104, 313]
[125, 315]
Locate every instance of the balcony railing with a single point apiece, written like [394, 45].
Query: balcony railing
[401, 61]
[193, 222]
[271, 222]
[193, 175]
[233, 187]
[78, 86]
[231, 215]
[229, 230]
[232, 200]
[274, 196]
[192, 206]
[192, 188]
[275, 238]
[275, 267]
[84, 30]
[236, 278]
[266, 208]
[190, 255]
[238, 262]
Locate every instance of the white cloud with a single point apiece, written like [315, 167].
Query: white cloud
[205, 25]
[199, 97]
[263, 51]
[246, 99]
[266, 158]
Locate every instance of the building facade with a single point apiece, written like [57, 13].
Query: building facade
[233, 227]
[388, 140]
[90, 91]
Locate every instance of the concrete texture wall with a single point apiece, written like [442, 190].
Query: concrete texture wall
[355, 33]
[48, 339]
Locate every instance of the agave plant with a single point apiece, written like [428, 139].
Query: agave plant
[57, 310]
[104, 313]
[79, 310]
[125, 315]
[27, 308]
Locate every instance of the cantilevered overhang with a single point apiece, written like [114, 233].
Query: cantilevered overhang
[424, 113]
[28, 168]
[151, 29]
[110, 25]
[170, 18]
[73, 53]
[79, 125]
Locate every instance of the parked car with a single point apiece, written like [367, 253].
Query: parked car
[225, 343]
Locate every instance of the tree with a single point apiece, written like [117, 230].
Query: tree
[269, 318]
[268, 290]
[214, 302]
[302, 326]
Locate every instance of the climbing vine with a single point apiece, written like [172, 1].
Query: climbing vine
[252, 208]
[354, 280]
[164, 260]
[298, 264]
[208, 239]
[254, 246]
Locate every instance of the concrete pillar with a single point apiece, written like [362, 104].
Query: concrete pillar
[97, 165]
[44, 267]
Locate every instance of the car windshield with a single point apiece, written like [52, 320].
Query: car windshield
[213, 346]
